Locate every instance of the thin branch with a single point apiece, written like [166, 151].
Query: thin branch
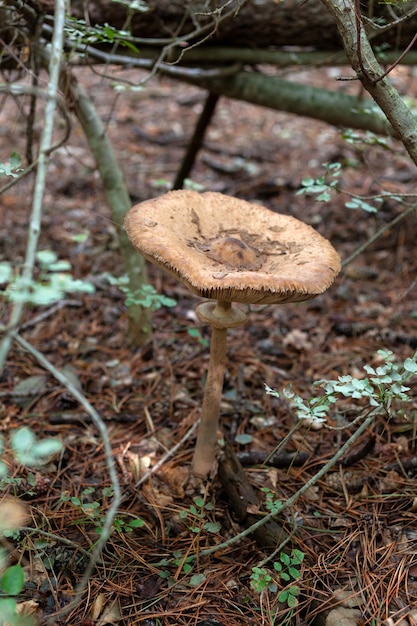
[378, 234]
[54, 537]
[373, 29]
[40, 181]
[364, 63]
[15, 89]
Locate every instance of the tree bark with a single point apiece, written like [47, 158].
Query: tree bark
[248, 23]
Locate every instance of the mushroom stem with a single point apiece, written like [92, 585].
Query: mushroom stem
[205, 449]
[220, 315]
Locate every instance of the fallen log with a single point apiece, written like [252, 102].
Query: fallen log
[250, 23]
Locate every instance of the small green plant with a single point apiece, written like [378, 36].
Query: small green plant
[197, 520]
[11, 585]
[31, 451]
[324, 185]
[15, 483]
[289, 597]
[289, 564]
[13, 167]
[383, 386]
[90, 506]
[197, 514]
[146, 296]
[195, 334]
[271, 504]
[81, 34]
[28, 450]
[54, 281]
[286, 569]
[367, 138]
[185, 563]
[261, 580]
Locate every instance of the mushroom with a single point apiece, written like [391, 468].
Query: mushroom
[229, 251]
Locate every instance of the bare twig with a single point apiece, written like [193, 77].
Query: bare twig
[43, 161]
[54, 537]
[378, 234]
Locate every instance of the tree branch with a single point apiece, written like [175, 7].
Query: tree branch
[332, 107]
[42, 168]
[363, 61]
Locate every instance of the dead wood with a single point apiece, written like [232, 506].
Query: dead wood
[244, 502]
[255, 24]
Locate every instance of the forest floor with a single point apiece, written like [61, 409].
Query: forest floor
[356, 526]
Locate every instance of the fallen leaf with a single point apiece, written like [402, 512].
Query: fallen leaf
[341, 616]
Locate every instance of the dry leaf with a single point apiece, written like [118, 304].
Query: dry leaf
[342, 616]
[297, 339]
[13, 514]
[103, 613]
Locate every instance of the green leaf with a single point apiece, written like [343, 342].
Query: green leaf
[243, 439]
[410, 365]
[10, 169]
[136, 523]
[283, 596]
[22, 440]
[297, 556]
[212, 527]
[59, 266]
[46, 257]
[294, 573]
[46, 448]
[292, 601]
[196, 580]
[5, 272]
[13, 580]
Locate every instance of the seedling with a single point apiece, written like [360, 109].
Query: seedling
[13, 167]
[195, 334]
[146, 297]
[271, 504]
[286, 569]
[92, 511]
[197, 513]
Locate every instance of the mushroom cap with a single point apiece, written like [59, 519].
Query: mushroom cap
[224, 248]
